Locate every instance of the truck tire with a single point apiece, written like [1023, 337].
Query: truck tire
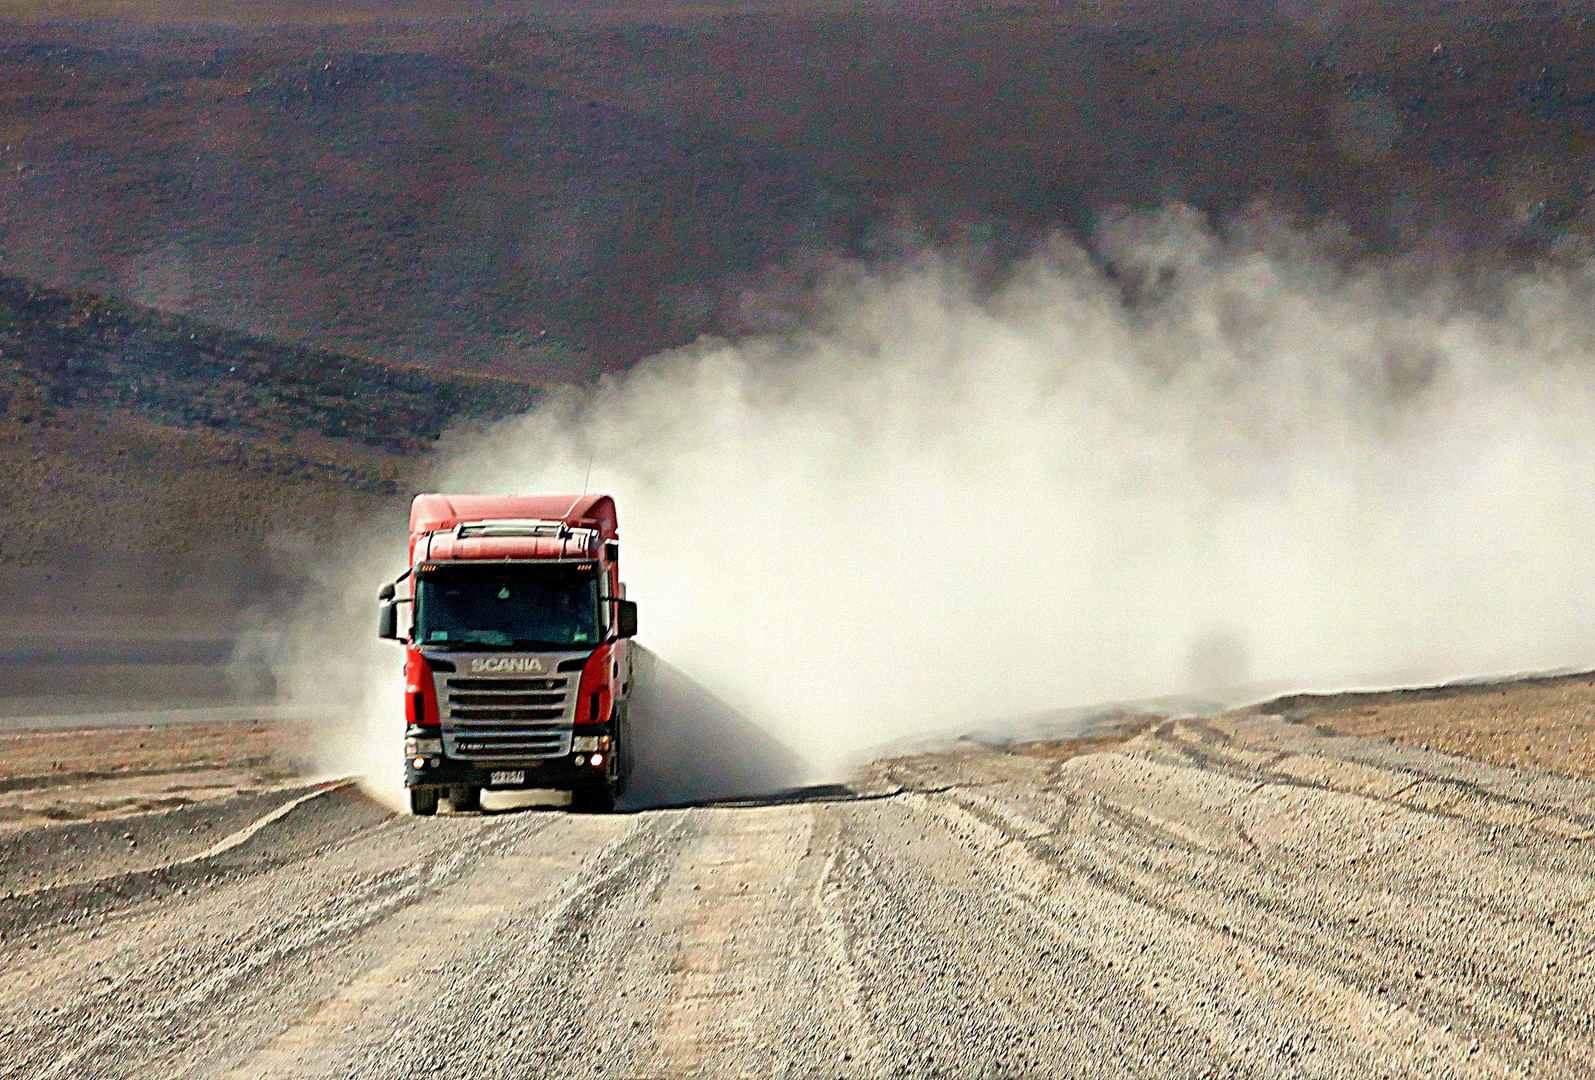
[593, 798]
[622, 774]
[463, 798]
[622, 778]
[423, 801]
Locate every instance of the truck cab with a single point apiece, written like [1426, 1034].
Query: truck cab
[517, 658]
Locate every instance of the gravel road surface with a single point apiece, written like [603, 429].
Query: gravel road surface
[1235, 897]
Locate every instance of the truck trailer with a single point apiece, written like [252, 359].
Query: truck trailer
[517, 657]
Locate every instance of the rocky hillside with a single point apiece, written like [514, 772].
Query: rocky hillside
[375, 199]
[546, 189]
[62, 351]
[158, 451]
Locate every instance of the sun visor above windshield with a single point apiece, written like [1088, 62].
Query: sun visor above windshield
[432, 512]
[577, 544]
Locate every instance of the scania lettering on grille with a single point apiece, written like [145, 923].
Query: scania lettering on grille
[507, 664]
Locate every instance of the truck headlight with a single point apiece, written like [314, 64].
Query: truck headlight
[585, 743]
[413, 747]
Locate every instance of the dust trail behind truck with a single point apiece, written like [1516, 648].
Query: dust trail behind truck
[517, 659]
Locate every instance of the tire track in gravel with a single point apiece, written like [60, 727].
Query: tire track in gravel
[1448, 910]
[177, 973]
[1230, 1002]
[698, 944]
[759, 983]
[1235, 898]
[1461, 972]
[486, 974]
[961, 981]
[692, 945]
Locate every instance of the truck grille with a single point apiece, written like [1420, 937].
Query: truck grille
[507, 719]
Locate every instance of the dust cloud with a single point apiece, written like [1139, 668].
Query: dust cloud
[335, 674]
[1179, 462]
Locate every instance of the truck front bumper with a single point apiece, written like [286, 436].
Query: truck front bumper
[548, 773]
[433, 768]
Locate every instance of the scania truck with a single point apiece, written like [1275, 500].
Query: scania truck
[517, 657]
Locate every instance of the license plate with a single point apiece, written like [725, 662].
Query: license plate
[508, 776]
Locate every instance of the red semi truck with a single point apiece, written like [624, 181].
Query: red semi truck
[517, 660]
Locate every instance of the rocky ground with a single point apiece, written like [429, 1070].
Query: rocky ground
[1546, 724]
[90, 775]
[1255, 894]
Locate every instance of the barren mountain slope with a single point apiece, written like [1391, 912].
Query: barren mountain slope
[556, 189]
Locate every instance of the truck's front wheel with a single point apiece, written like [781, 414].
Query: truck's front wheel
[423, 801]
[593, 798]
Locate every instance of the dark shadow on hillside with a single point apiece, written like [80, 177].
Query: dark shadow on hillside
[691, 747]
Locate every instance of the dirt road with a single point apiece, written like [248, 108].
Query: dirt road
[1236, 897]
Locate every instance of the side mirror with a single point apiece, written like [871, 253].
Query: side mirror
[388, 620]
[626, 618]
[386, 592]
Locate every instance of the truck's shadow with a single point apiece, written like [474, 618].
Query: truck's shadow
[691, 747]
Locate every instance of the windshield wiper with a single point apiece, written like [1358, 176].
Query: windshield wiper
[514, 646]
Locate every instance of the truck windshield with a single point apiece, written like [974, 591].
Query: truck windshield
[500, 607]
